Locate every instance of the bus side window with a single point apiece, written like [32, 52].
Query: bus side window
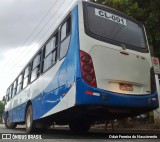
[14, 88]
[50, 51]
[26, 77]
[35, 68]
[19, 87]
[65, 37]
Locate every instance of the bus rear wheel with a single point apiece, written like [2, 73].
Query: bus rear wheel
[30, 124]
[8, 124]
[79, 125]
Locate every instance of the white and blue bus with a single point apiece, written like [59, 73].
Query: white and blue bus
[96, 65]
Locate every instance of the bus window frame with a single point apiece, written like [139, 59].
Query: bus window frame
[15, 81]
[24, 77]
[54, 50]
[39, 70]
[67, 35]
[21, 74]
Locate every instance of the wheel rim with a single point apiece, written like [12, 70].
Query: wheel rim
[28, 119]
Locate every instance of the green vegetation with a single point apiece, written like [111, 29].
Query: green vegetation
[1, 108]
[145, 11]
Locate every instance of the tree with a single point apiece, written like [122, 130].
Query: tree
[147, 12]
[1, 108]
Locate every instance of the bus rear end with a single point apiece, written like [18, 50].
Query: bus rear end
[117, 76]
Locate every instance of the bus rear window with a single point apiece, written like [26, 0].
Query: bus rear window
[109, 26]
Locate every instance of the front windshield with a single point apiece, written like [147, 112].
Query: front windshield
[111, 26]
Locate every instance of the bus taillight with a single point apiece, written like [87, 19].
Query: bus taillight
[153, 82]
[87, 68]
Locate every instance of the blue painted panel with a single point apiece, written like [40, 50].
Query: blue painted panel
[73, 66]
[17, 114]
[112, 99]
[37, 104]
[52, 98]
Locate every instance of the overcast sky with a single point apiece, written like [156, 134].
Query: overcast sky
[23, 23]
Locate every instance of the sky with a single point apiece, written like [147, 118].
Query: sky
[24, 24]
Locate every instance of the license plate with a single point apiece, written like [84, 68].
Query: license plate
[125, 87]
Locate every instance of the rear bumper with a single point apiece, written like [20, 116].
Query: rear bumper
[112, 99]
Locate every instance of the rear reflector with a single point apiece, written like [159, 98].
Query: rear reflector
[92, 93]
[89, 93]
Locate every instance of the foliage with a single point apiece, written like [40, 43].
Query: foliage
[145, 11]
[1, 107]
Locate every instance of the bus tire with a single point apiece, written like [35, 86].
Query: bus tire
[8, 124]
[30, 124]
[79, 125]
